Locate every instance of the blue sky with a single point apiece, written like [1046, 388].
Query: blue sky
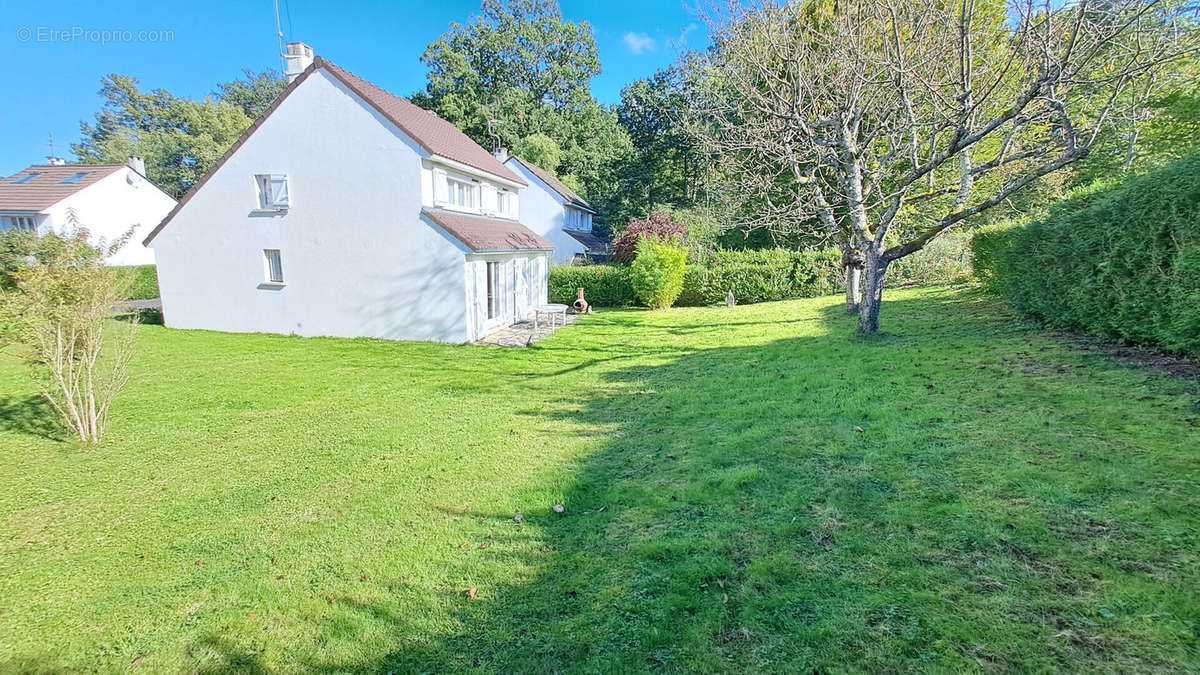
[57, 51]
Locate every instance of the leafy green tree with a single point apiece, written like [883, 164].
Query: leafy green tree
[254, 92]
[179, 138]
[541, 150]
[518, 73]
[666, 167]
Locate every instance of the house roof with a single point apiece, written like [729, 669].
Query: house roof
[555, 184]
[434, 134]
[591, 241]
[487, 234]
[47, 188]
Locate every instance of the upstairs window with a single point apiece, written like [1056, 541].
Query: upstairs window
[273, 191]
[26, 178]
[74, 179]
[272, 266]
[463, 194]
[25, 223]
[503, 202]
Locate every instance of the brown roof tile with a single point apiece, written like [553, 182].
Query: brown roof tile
[47, 189]
[435, 134]
[555, 184]
[487, 234]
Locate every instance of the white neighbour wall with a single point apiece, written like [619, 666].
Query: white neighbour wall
[357, 259]
[109, 208]
[542, 211]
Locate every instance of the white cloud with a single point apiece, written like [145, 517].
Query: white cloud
[639, 43]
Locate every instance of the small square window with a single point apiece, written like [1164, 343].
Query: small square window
[273, 265]
[74, 179]
[27, 177]
[272, 191]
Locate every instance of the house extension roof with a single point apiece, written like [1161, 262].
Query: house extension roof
[591, 241]
[47, 187]
[434, 134]
[555, 184]
[487, 234]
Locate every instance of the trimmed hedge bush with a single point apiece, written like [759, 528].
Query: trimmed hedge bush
[1121, 263]
[605, 285]
[753, 276]
[658, 272]
[144, 283]
[762, 276]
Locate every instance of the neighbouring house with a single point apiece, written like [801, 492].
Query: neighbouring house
[348, 211]
[111, 201]
[556, 212]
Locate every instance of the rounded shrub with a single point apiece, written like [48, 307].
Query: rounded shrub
[658, 272]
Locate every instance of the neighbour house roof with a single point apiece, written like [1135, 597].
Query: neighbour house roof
[435, 135]
[555, 184]
[50, 184]
[591, 241]
[487, 234]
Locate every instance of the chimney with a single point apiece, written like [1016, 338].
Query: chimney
[296, 59]
[137, 164]
[501, 154]
[55, 161]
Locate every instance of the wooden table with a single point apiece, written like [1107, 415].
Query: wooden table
[553, 310]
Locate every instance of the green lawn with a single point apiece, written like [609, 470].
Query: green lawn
[281, 503]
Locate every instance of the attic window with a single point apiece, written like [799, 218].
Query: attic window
[464, 194]
[74, 179]
[27, 177]
[273, 191]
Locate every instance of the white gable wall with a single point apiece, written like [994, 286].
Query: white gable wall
[357, 259]
[542, 210]
[109, 208]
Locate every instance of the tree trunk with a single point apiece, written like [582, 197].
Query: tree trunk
[853, 276]
[852, 261]
[874, 271]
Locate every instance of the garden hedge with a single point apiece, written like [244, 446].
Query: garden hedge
[144, 282]
[762, 276]
[1119, 262]
[753, 276]
[605, 285]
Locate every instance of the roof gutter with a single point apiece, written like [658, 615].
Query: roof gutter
[467, 168]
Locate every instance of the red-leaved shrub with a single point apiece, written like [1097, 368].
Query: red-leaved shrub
[659, 226]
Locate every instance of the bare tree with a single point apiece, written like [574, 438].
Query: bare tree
[60, 313]
[882, 124]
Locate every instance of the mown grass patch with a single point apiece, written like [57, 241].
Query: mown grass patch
[746, 488]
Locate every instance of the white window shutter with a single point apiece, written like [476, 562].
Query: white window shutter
[279, 190]
[440, 195]
[489, 199]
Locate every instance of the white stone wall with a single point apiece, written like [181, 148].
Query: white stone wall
[357, 258]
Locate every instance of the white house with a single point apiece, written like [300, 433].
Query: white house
[556, 212]
[348, 211]
[111, 201]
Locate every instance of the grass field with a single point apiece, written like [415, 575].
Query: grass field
[748, 488]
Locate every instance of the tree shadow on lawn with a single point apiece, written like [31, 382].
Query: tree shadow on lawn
[932, 498]
[30, 415]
